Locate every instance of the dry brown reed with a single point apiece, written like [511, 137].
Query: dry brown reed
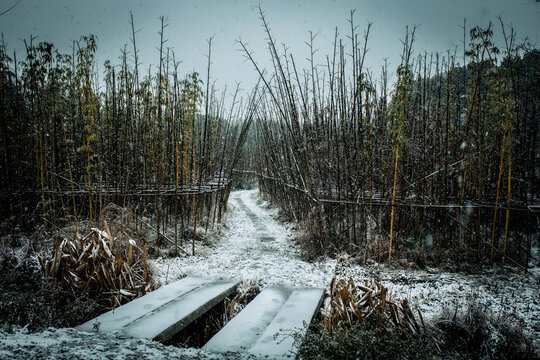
[107, 263]
[368, 303]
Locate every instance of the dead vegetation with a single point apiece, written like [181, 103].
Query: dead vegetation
[27, 301]
[369, 303]
[107, 262]
[478, 333]
[246, 291]
[360, 320]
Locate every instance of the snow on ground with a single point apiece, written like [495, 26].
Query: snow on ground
[252, 244]
[70, 344]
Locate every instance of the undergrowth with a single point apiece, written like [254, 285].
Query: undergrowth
[105, 263]
[29, 302]
[359, 320]
[477, 333]
[474, 333]
[314, 246]
[364, 341]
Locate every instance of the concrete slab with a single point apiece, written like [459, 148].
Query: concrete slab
[295, 316]
[160, 314]
[246, 327]
[125, 314]
[276, 310]
[163, 323]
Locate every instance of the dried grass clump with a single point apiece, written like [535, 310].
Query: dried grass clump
[369, 304]
[110, 268]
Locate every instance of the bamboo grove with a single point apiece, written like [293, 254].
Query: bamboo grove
[76, 137]
[440, 161]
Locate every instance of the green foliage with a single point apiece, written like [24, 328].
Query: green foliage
[364, 85]
[191, 93]
[481, 46]
[398, 109]
[85, 56]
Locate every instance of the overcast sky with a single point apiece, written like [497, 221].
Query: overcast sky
[192, 22]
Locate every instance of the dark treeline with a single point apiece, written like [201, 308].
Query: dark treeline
[74, 139]
[442, 162]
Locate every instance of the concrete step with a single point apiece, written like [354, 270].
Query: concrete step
[161, 314]
[276, 310]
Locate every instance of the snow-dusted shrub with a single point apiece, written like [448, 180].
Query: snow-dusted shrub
[364, 341]
[27, 301]
[479, 334]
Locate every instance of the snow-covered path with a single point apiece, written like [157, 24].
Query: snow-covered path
[253, 245]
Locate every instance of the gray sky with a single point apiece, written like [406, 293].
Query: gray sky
[191, 22]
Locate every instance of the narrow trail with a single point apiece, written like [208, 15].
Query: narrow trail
[254, 245]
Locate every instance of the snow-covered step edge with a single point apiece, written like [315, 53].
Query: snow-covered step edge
[165, 322]
[294, 317]
[276, 310]
[246, 327]
[130, 313]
